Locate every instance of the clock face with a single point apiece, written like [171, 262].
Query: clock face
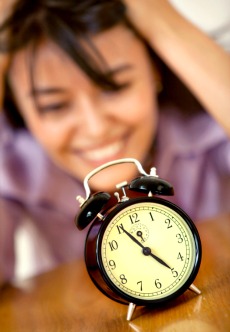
[149, 251]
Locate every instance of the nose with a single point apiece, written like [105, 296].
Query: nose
[94, 118]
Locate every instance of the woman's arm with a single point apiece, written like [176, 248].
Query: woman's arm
[196, 59]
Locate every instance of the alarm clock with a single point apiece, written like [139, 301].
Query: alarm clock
[141, 249]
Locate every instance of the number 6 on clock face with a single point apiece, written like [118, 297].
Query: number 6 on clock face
[143, 250]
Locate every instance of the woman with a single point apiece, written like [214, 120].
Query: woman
[81, 89]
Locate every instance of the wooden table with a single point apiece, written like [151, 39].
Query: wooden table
[66, 300]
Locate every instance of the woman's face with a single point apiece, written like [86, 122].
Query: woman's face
[80, 125]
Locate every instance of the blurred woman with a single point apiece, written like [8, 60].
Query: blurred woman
[92, 81]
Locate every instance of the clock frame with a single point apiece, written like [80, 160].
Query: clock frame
[103, 214]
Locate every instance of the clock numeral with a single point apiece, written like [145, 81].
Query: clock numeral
[174, 273]
[112, 264]
[158, 284]
[180, 238]
[123, 279]
[140, 282]
[151, 216]
[168, 222]
[180, 257]
[134, 218]
[113, 245]
[120, 228]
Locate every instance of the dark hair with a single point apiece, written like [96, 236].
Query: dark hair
[61, 21]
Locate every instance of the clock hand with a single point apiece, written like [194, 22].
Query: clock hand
[146, 250]
[139, 233]
[133, 238]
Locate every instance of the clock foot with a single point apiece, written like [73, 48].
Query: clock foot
[194, 289]
[130, 312]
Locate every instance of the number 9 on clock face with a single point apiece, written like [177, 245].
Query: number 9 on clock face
[148, 251]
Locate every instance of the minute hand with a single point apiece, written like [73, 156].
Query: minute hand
[146, 250]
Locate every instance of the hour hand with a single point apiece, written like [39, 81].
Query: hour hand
[146, 250]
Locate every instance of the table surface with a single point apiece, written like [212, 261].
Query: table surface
[65, 299]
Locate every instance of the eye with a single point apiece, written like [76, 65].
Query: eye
[54, 107]
[118, 90]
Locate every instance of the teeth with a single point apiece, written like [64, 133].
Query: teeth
[103, 153]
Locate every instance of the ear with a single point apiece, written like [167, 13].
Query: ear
[90, 209]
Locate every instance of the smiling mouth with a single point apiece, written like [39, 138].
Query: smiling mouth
[103, 153]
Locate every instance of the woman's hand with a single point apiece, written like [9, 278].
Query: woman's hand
[5, 6]
[148, 15]
[194, 57]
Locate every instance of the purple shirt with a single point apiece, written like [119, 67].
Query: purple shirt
[194, 155]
